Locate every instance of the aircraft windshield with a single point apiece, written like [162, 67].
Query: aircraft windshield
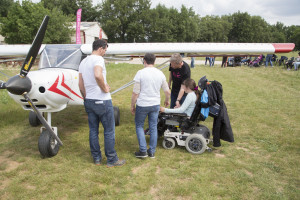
[61, 56]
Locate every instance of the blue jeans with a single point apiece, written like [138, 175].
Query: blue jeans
[296, 65]
[269, 60]
[212, 62]
[140, 116]
[101, 111]
[174, 99]
[207, 59]
[192, 62]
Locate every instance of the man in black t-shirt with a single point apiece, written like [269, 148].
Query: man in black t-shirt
[179, 71]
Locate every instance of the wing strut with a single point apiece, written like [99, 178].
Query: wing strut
[132, 82]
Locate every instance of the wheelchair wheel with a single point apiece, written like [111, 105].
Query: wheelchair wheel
[168, 143]
[195, 143]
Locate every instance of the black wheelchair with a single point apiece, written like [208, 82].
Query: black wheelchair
[178, 128]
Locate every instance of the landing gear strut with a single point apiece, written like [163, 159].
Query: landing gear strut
[48, 145]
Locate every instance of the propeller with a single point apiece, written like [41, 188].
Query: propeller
[21, 84]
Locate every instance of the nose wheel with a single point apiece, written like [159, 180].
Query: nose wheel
[48, 146]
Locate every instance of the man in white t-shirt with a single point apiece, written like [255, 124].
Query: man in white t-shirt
[98, 105]
[145, 102]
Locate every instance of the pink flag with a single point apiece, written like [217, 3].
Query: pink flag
[100, 34]
[78, 20]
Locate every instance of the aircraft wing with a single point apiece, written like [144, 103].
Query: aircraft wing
[16, 50]
[194, 48]
[133, 49]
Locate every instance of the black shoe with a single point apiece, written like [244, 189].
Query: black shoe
[97, 162]
[151, 155]
[118, 163]
[140, 154]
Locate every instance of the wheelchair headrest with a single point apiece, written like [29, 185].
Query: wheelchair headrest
[202, 82]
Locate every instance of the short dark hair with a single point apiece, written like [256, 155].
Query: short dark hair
[150, 58]
[99, 44]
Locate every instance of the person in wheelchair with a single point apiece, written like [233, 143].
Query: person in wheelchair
[178, 128]
[189, 104]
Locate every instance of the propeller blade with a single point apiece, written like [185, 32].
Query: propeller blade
[42, 119]
[2, 85]
[34, 50]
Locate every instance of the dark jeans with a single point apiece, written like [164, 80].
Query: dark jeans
[101, 111]
[174, 98]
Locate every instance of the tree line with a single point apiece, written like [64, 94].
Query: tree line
[135, 21]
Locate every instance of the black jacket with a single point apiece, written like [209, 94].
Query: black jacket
[221, 126]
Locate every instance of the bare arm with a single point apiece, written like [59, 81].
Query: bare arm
[81, 86]
[167, 93]
[180, 94]
[133, 102]
[100, 79]
[170, 79]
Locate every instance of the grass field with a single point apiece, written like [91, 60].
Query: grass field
[262, 163]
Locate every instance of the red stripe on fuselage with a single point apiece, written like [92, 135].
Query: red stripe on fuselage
[68, 88]
[283, 47]
[54, 89]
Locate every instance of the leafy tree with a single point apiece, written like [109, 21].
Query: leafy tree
[293, 36]
[70, 7]
[185, 24]
[23, 21]
[89, 12]
[161, 27]
[124, 20]
[170, 25]
[260, 30]
[278, 32]
[241, 27]
[214, 29]
[191, 24]
[4, 5]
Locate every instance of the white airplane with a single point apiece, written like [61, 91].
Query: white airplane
[54, 85]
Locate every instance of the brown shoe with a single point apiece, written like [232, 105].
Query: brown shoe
[118, 163]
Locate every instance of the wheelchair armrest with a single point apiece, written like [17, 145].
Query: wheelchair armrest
[178, 114]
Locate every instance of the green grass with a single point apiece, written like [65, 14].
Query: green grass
[262, 163]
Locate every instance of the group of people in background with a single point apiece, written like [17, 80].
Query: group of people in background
[211, 60]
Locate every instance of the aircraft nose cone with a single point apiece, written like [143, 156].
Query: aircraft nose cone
[18, 85]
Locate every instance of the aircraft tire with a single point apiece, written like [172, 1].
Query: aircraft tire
[47, 145]
[117, 115]
[195, 143]
[33, 119]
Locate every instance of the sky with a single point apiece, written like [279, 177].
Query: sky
[272, 11]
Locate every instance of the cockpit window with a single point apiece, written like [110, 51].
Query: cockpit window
[66, 56]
